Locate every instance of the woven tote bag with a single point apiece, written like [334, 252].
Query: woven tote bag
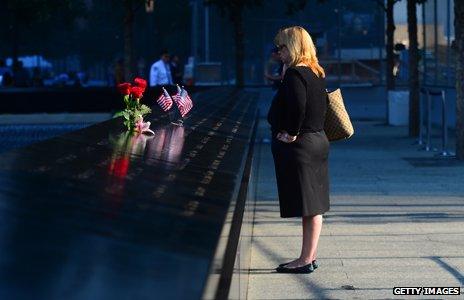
[337, 125]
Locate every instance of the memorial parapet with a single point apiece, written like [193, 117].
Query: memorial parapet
[102, 214]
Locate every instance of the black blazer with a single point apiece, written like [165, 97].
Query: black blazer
[300, 104]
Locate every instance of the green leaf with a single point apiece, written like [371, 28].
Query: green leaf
[126, 100]
[144, 109]
[118, 114]
[129, 125]
[126, 114]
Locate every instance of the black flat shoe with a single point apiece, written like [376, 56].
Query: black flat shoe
[299, 270]
[314, 262]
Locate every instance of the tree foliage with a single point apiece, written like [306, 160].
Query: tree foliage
[26, 23]
[234, 10]
[32, 12]
[231, 7]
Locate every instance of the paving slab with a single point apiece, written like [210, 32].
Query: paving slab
[396, 219]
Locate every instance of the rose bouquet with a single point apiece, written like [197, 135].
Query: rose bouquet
[134, 111]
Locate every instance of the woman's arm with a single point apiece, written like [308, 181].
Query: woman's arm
[295, 102]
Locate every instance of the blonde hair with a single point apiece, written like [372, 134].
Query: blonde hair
[301, 48]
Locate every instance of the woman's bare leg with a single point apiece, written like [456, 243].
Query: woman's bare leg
[312, 226]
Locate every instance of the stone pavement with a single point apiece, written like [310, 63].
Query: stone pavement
[396, 219]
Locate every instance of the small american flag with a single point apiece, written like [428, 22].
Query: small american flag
[165, 101]
[183, 101]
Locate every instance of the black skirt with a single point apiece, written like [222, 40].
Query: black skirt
[302, 174]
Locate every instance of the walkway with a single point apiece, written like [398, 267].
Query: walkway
[396, 219]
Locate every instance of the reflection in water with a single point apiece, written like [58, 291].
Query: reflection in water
[167, 144]
[155, 147]
[165, 147]
[175, 143]
[126, 146]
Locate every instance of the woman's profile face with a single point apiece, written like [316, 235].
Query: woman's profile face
[284, 54]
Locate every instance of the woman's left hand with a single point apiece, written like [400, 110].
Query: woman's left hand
[285, 137]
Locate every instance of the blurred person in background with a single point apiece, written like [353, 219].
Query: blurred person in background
[160, 71]
[75, 79]
[176, 70]
[273, 69]
[5, 74]
[21, 76]
[82, 77]
[61, 80]
[37, 80]
[401, 62]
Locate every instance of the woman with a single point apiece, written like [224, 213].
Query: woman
[299, 145]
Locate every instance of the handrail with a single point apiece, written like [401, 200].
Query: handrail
[429, 92]
[354, 62]
[366, 67]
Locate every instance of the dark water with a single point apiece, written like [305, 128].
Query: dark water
[15, 136]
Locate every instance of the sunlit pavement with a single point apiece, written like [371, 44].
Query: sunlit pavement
[396, 220]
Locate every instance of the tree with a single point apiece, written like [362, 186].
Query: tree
[234, 10]
[130, 8]
[22, 16]
[390, 32]
[459, 43]
[414, 95]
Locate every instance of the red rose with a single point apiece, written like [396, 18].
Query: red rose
[124, 88]
[140, 83]
[119, 167]
[137, 92]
